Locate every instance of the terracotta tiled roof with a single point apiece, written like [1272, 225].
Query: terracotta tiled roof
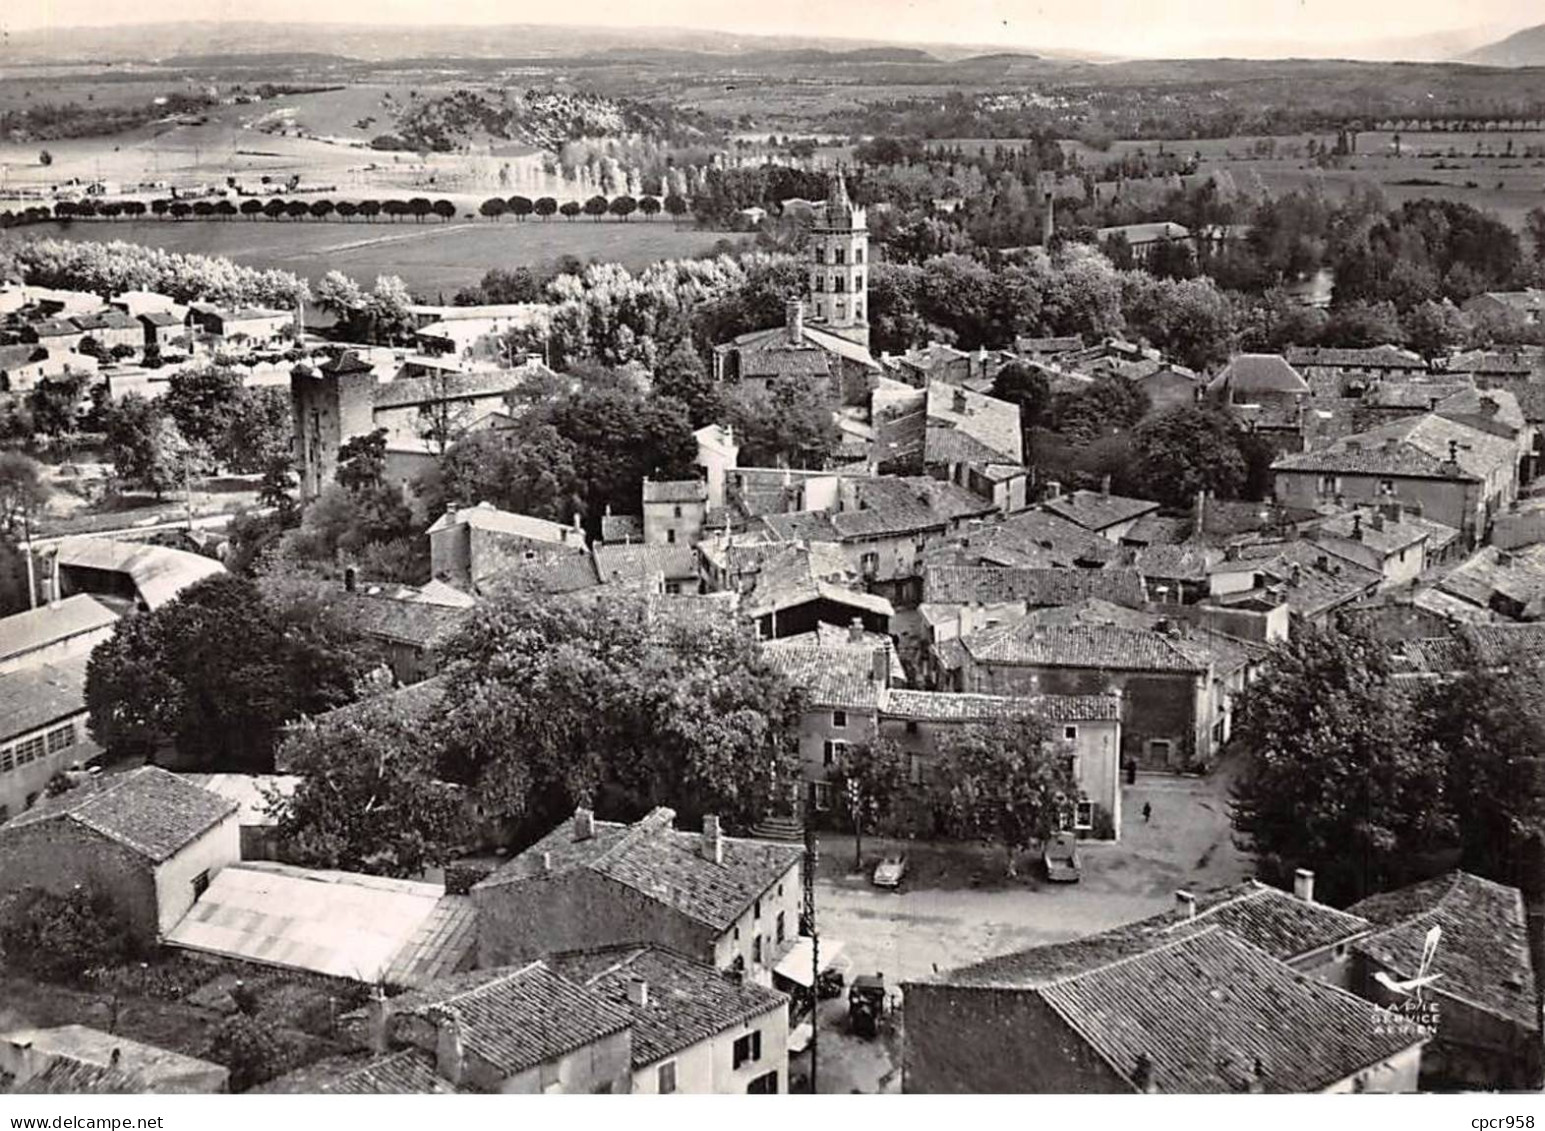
[638, 562]
[67, 1077]
[687, 1002]
[1417, 446]
[408, 391]
[1483, 948]
[992, 423]
[1187, 562]
[520, 1018]
[149, 811]
[1256, 373]
[416, 623]
[408, 1072]
[1209, 1013]
[660, 862]
[1375, 357]
[961, 585]
[839, 675]
[1095, 511]
[948, 706]
[675, 491]
[1105, 647]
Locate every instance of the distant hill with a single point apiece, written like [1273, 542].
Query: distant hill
[1521, 49]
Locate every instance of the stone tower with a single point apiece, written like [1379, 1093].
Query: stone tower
[839, 267]
[331, 406]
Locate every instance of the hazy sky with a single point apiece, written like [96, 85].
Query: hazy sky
[1131, 27]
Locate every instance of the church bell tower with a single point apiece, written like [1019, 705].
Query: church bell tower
[839, 267]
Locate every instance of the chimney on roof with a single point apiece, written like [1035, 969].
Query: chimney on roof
[1143, 1077]
[350, 579]
[584, 823]
[856, 630]
[1377, 521]
[794, 321]
[1296, 575]
[1504, 559]
[1303, 885]
[1105, 487]
[114, 1058]
[1185, 901]
[1453, 451]
[1357, 527]
[450, 1053]
[638, 993]
[1231, 553]
[713, 840]
[378, 1021]
[960, 400]
[1323, 562]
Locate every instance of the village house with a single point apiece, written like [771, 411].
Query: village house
[410, 625]
[728, 901]
[1523, 308]
[1061, 1018]
[845, 684]
[470, 545]
[1177, 681]
[22, 367]
[111, 329]
[251, 325]
[76, 1060]
[696, 1030]
[1505, 583]
[161, 330]
[57, 335]
[54, 632]
[1484, 996]
[674, 511]
[1376, 538]
[1456, 474]
[43, 729]
[1100, 512]
[1141, 239]
[1312, 581]
[259, 827]
[146, 839]
[664, 568]
[787, 588]
[1350, 372]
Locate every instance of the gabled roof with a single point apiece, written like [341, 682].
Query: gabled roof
[35, 696]
[1482, 955]
[1417, 446]
[159, 573]
[1146, 233]
[794, 576]
[1210, 1013]
[91, 1060]
[656, 860]
[825, 635]
[687, 1002]
[405, 392]
[1255, 373]
[964, 585]
[419, 624]
[959, 707]
[1374, 357]
[1096, 511]
[622, 528]
[1105, 647]
[638, 562]
[831, 675]
[151, 812]
[486, 516]
[48, 624]
[519, 1017]
[409, 1071]
[993, 424]
[770, 352]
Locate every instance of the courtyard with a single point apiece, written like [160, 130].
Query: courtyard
[957, 906]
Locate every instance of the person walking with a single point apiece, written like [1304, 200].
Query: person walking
[1147, 812]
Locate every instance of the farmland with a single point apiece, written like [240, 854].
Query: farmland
[430, 257]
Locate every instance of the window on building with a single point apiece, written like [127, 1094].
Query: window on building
[911, 726]
[840, 285]
[820, 310]
[1159, 749]
[858, 255]
[61, 738]
[756, 909]
[915, 769]
[7, 759]
[670, 537]
[1070, 733]
[1217, 731]
[820, 254]
[858, 281]
[673, 588]
[821, 796]
[858, 309]
[677, 509]
[1387, 486]
[31, 749]
[839, 718]
[870, 562]
[764, 1085]
[1083, 815]
[820, 284]
[756, 950]
[832, 751]
[200, 883]
[780, 927]
[840, 256]
[667, 1078]
[737, 934]
[747, 1050]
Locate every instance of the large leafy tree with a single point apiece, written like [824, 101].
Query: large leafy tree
[618, 701]
[23, 491]
[203, 402]
[1007, 782]
[1338, 776]
[215, 674]
[258, 435]
[368, 800]
[145, 447]
[1187, 449]
[619, 437]
[527, 470]
[1026, 387]
[792, 421]
[874, 782]
[1489, 721]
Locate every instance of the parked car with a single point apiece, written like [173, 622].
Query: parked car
[888, 873]
[1059, 856]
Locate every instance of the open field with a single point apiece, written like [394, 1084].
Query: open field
[431, 257]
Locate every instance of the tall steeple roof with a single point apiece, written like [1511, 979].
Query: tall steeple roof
[840, 212]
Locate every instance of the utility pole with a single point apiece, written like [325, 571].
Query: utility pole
[812, 857]
[32, 584]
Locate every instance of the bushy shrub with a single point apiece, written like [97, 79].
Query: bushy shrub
[60, 937]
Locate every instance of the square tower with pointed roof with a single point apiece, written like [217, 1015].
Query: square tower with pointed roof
[839, 267]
